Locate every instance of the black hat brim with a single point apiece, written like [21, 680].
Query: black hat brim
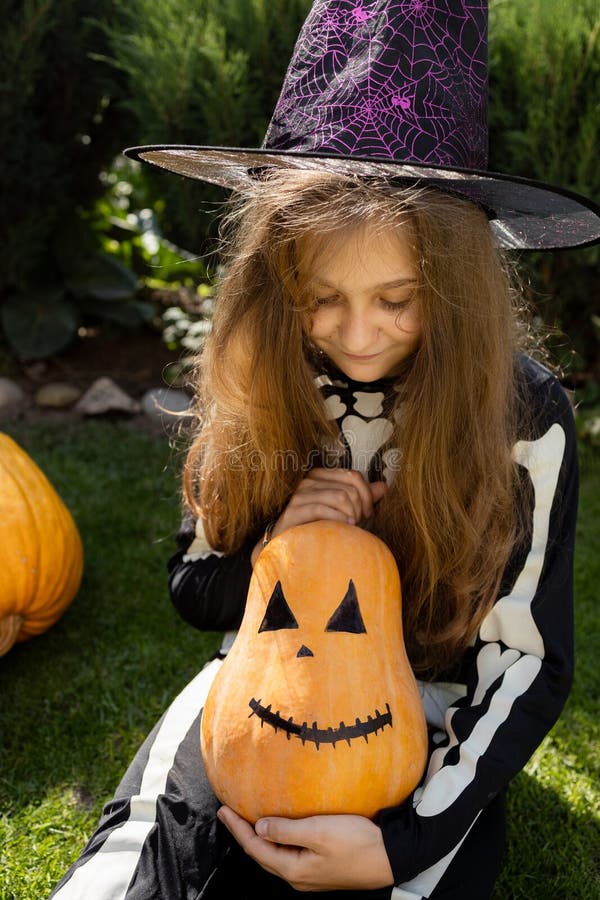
[524, 214]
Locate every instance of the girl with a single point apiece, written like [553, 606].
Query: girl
[367, 364]
[343, 291]
[368, 320]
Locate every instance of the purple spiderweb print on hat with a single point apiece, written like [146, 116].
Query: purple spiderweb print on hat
[403, 80]
[393, 89]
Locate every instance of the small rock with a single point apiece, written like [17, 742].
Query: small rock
[12, 397]
[166, 405]
[105, 396]
[57, 395]
[36, 371]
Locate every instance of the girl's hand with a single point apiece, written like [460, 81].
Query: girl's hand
[340, 495]
[320, 853]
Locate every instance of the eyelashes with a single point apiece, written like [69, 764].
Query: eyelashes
[391, 306]
[346, 617]
[323, 302]
[395, 307]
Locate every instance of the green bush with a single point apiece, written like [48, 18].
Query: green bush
[201, 72]
[60, 127]
[545, 124]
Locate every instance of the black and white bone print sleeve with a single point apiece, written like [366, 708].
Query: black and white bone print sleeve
[518, 673]
[207, 588]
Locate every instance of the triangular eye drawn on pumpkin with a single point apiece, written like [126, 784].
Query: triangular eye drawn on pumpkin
[347, 616]
[277, 614]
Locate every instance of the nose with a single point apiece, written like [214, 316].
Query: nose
[356, 332]
[304, 651]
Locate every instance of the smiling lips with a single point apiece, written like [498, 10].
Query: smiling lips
[360, 358]
[321, 735]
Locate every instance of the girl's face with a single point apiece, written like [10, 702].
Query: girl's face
[365, 314]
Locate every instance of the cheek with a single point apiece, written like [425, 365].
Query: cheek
[322, 324]
[408, 326]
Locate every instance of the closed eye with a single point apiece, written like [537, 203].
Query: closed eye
[325, 301]
[396, 305]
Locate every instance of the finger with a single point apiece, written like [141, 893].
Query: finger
[274, 858]
[292, 832]
[239, 827]
[351, 480]
[378, 490]
[343, 485]
[338, 497]
[301, 514]
[242, 831]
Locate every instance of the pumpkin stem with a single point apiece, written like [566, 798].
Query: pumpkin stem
[9, 629]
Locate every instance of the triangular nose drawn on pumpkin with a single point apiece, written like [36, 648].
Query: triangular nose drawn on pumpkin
[347, 616]
[304, 651]
[277, 614]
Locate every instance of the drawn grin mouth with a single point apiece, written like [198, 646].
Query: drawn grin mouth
[317, 735]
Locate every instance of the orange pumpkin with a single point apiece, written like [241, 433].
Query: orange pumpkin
[41, 556]
[315, 708]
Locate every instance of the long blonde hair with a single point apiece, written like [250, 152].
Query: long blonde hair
[451, 514]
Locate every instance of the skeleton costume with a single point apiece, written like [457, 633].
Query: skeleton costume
[159, 837]
[394, 90]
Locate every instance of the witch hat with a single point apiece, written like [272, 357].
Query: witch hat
[395, 89]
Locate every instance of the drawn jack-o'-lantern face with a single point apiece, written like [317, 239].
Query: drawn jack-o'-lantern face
[315, 709]
[346, 618]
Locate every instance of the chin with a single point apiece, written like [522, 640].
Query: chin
[364, 371]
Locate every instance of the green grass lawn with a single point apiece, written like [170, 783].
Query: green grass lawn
[76, 702]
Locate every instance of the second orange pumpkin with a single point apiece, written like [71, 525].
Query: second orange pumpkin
[41, 555]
